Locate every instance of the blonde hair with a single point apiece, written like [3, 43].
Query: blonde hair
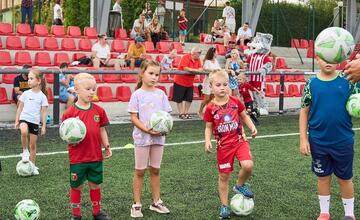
[81, 76]
[40, 76]
[218, 74]
[143, 67]
[173, 51]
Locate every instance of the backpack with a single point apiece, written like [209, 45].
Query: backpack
[85, 61]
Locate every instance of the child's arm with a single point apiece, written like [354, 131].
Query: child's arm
[208, 131]
[303, 127]
[43, 119]
[105, 142]
[18, 111]
[135, 120]
[247, 121]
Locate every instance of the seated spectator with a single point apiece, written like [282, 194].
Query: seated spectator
[227, 36]
[20, 84]
[139, 29]
[155, 29]
[101, 54]
[58, 14]
[136, 53]
[232, 45]
[217, 32]
[67, 91]
[244, 34]
[234, 66]
[166, 62]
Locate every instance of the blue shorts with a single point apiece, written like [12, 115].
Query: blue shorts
[182, 32]
[332, 159]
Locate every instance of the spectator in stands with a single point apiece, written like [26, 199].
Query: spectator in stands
[229, 16]
[233, 67]
[184, 84]
[155, 29]
[139, 29]
[67, 91]
[167, 61]
[217, 32]
[101, 54]
[20, 84]
[160, 12]
[148, 13]
[182, 26]
[117, 6]
[26, 11]
[136, 53]
[58, 14]
[244, 34]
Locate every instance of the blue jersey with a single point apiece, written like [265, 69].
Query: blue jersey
[329, 122]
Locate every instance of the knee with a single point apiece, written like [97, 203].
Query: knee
[247, 166]
[224, 177]
[324, 179]
[139, 173]
[154, 171]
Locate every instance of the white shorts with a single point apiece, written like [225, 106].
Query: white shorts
[148, 156]
[206, 86]
[231, 27]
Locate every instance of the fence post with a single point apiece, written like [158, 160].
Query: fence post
[281, 95]
[56, 105]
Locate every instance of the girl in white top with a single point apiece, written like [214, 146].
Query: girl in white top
[58, 14]
[210, 64]
[32, 108]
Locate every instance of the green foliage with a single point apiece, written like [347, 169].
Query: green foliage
[132, 9]
[77, 13]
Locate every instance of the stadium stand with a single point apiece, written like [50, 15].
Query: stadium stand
[178, 47]
[121, 34]
[163, 47]
[5, 58]
[149, 46]
[6, 29]
[32, 43]
[85, 44]
[51, 44]
[68, 44]
[13, 43]
[61, 58]
[22, 58]
[105, 94]
[74, 31]
[90, 32]
[295, 43]
[3, 96]
[41, 30]
[23, 29]
[42, 59]
[58, 31]
[123, 93]
[118, 46]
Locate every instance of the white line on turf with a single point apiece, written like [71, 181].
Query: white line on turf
[168, 144]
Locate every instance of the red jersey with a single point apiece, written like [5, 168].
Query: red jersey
[183, 25]
[244, 91]
[256, 61]
[89, 149]
[188, 79]
[227, 127]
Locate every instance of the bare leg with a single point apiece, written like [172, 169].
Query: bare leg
[138, 184]
[155, 183]
[224, 187]
[245, 171]
[33, 145]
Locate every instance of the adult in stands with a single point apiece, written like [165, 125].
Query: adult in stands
[136, 53]
[155, 29]
[26, 11]
[67, 91]
[217, 32]
[244, 34]
[160, 12]
[167, 61]
[139, 29]
[233, 66]
[117, 6]
[58, 14]
[148, 13]
[229, 17]
[184, 84]
[20, 84]
[101, 54]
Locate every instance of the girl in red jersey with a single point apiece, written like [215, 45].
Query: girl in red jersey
[182, 25]
[86, 157]
[223, 117]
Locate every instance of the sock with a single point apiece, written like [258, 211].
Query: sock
[75, 198]
[348, 206]
[324, 204]
[95, 196]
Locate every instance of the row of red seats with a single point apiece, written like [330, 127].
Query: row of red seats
[287, 78]
[42, 30]
[292, 91]
[302, 43]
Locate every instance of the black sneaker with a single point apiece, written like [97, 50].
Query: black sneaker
[76, 218]
[101, 216]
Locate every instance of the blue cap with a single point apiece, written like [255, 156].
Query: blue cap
[139, 39]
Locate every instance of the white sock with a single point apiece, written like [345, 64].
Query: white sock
[324, 204]
[348, 206]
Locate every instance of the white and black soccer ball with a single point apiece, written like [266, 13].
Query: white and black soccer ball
[27, 209]
[72, 130]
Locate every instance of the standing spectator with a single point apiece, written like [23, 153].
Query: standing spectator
[136, 53]
[229, 16]
[184, 84]
[160, 12]
[244, 34]
[117, 6]
[58, 14]
[155, 29]
[148, 13]
[26, 11]
[139, 29]
[101, 54]
[182, 25]
[167, 61]
[233, 66]
[67, 92]
[20, 84]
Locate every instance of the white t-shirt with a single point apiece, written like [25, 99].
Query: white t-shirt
[101, 52]
[242, 33]
[229, 14]
[167, 62]
[57, 12]
[136, 24]
[210, 65]
[32, 106]
[117, 7]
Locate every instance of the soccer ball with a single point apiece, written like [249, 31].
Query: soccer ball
[72, 130]
[25, 168]
[27, 209]
[353, 105]
[241, 205]
[161, 121]
[334, 45]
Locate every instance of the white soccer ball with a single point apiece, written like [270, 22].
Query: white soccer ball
[72, 130]
[353, 105]
[25, 168]
[241, 205]
[161, 121]
[27, 209]
[334, 45]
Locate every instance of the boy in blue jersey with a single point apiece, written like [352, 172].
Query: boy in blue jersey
[331, 138]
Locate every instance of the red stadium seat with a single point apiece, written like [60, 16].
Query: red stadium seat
[3, 96]
[118, 46]
[61, 58]
[13, 43]
[42, 59]
[202, 37]
[178, 47]
[294, 91]
[275, 78]
[197, 93]
[41, 30]
[5, 58]
[295, 43]
[148, 57]
[220, 49]
[51, 43]
[58, 31]
[97, 76]
[304, 43]
[74, 31]
[300, 78]
[163, 88]
[6, 29]
[270, 92]
[112, 78]
[149, 46]
[68, 44]
[8, 78]
[159, 58]
[171, 92]
[121, 34]
[50, 76]
[268, 78]
[105, 94]
[77, 56]
[90, 32]
[32, 43]
[123, 93]
[85, 44]
[163, 47]
[302, 86]
[23, 29]
[289, 78]
[128, 78]
[310, 52]
[1, 44]
[281, 63]
[164, 78]
[50, 95]
[22, 58]
[176, 61]
[286, 94]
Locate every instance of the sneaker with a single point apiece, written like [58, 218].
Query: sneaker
[324, 216]
[224, 212]
[101, 216]
[243, 190]
[159, 207]
[35, 172]
[25, 156]
[136, 211]
[75, 218]
[349, 218]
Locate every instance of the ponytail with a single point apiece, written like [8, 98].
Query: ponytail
[40, 76]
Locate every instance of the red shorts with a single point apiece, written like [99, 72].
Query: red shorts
[256, 84]
[225, 156]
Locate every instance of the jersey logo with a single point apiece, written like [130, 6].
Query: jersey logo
[96, 118]
[74, 177]
[227, 118]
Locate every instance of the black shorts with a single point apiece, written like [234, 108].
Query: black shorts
[182, 93]
[249, 105]
[33, 128]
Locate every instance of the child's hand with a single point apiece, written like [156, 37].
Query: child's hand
[152, 132]
[43, 130]
[208, 147]
[17, 124]
[304, 147]
[243, 135]
[108, 152]
[253, 132]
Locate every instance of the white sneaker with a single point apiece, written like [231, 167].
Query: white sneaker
[159, 207]
[136, 211]
[25, 156]
[36, 171]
